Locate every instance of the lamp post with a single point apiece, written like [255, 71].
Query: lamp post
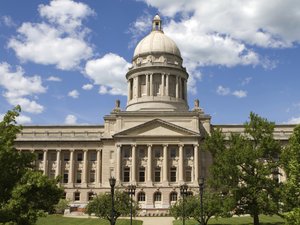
[183, 193]
[112, 183]
[131, 192]
[201, 188]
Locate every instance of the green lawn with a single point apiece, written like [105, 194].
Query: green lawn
[60, 220]
[265, 220]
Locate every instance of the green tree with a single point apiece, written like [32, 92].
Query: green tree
[101, 206]
[214, 204]
[61, 206]
[24, 193]
[244, 166]
[290, 162]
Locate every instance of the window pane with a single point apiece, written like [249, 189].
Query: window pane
[79, 156]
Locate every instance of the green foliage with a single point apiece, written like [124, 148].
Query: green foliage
[293, 217]
[101, 205]
[25, 194]
[290, 162]
[61, 206]
[214, 204]
[244, 166]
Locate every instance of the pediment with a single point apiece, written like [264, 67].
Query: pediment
[156, 128]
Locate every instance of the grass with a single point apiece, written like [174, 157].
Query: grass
[60, 220]
[245, 220]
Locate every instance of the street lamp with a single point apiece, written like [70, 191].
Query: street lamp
[201, 188]
[183, 193]
[112, 183]
[131, 192]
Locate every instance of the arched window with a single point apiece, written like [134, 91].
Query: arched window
[141, 197]
[173, 196]
[157, 196]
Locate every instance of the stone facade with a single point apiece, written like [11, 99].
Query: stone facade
[156, 143]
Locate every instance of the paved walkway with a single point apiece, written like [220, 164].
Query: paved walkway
[156, 220]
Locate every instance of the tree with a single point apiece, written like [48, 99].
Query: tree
[214, 204]
[244, 166]
[290, 162]
[24, 193]
[101, 205]
[62, 205]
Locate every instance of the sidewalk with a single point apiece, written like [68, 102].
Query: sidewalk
[156, 220]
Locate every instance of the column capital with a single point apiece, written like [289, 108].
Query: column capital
[133, 145]
[165, 145]
[45, 150]
[99, 150]
[58, 150]
[119, 145]
[181, 145]
[72, 150]
[196, 145]
[149, 145]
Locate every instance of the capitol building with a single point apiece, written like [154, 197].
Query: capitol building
[156, 143]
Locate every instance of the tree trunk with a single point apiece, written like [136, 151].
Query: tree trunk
[255, 219]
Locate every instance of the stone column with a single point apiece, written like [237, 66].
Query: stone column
[58, 163]
[147, 84]
[165, 163]
[151, 84]
[133, 163]
[163, 84]
[71, 167]
[137, 85]
[149, 165]
[45, 163]
[118, 163]
[180, 164]
[85, 167]
[180, 88]
[98, 168]
[185, 89]
[128, 90]
[196, 163]
[177, 87]
[167, 84]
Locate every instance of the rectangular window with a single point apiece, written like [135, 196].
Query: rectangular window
[52, 156]
[66, 177]
[126, 153]
[157, 174]
[79, 156]
[77, 196]
[157, 153]
[66, 156]
[78, 177]
[142, 174]
[173, 153]
[188, 153]
[173, 174]
[93, 156]
[91, 196]
[142, 153]
[40, 156]
[126, 174]
[188, 174]
[92, 176]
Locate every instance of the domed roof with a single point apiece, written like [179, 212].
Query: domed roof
[156, 41]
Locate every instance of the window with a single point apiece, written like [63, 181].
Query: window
[141, 197]
[157, 174]
[92, 176]
[91, 195]
[52, 174]
[188, 153]
[66, 156]
[142, 174]
[126, 174]
[79, 156]
[66, 176]
[173, 174]
[93, 156]
[157, 153]
[40, 156]
[142, 153]
[78, 177]
[126, 153]
[173, 153]
[189, 193]
[188, 174]
[64, 195]
[77, 196]
[52, 156]
[173, 196]
[157, 197]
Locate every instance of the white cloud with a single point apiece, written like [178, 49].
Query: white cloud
[226, 91]
[20, 88]
[70, 120]
[87, 87]
[240, 94]
[73, 94]
[53, 78]
[109, 73]
[21, 119]
[61, 36]
[223, 90]
[246, 81]
[8, 21]
[294, 120]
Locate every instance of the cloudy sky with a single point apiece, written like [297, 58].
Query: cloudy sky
[65, 61]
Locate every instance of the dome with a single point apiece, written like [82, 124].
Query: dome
[156, 41]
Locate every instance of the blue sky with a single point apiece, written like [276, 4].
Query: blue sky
[65, 61]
